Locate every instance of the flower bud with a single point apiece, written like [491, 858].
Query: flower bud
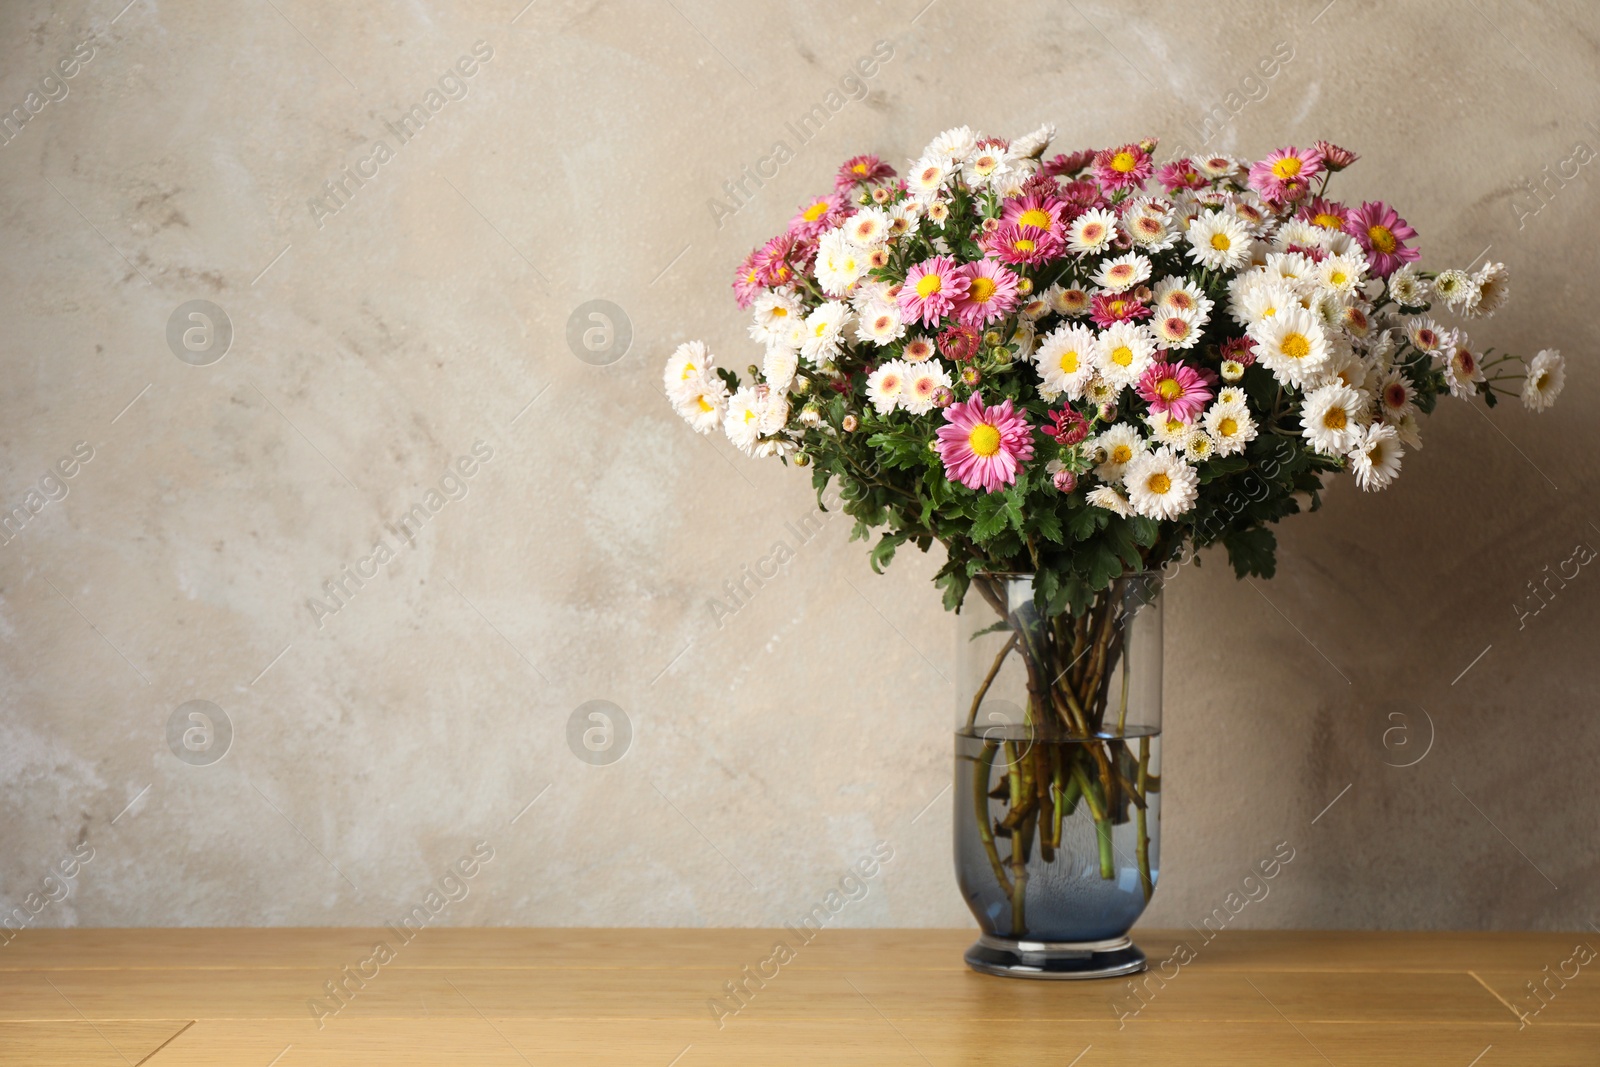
[1108, 412]
[1065, 481]
[880, 195]
[849, 424]
[802, 460]
[943, 397]
[810, 415]
[970, 375]
[1024, 286]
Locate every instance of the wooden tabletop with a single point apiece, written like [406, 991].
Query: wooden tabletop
[659, 998]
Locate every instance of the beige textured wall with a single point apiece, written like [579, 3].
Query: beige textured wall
[374, 345]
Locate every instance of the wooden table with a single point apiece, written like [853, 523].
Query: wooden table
[643, 997]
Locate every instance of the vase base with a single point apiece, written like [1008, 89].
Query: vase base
[1061, 960]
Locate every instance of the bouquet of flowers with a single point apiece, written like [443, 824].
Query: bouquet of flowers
[1050, 367]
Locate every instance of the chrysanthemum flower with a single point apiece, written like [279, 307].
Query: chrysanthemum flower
[886, 386]
[1067, 164]
[927, 177]
[1329, 418]
[991, 293]
[1108, 308]
[1462, 370]
[1292, 345]
[1067, 426]
[1066, 360]
[747, 281]
[1547, 373]
[1284, 170]
[1174, 389]
[1128, 167]
[1383, 235]
[1409, 289]
[1180, 174]
[1121, 273]
[861, 170]
[815, 215]
[880, 324]
[688, 363]
[932, 289]
[1179, 294]
[1103, 496]
[777, 261]
[742, 419]
[1068, 301]
[1177, 330]
[1375, 456]
[1424, 334]
[1458, 289]
[1241, 350]
[1324, 214]
[1018, 244]
[1395, 393]
[1231, 427]
[1493, 282]
[1040, 212]
[1161, 485]
[918, 349]
[959, 343]
[702, 402]
[1123, 352]
[1334, 157]
[1116, 447]
[825, 328]
[983, 446]
[1219, 241]
[1092, 231]
[924, 383]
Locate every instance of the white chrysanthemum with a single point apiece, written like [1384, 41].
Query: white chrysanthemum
[1248, 209]
[774, 313]
[767, 447]
[1329, 418]
[1175, 329]
[1148, 225]
[917, 349]
[1410, 431]
[1426, 335]
[927, 178]
[1067, 301]
[867, 227]
[1299, 232]
[923, 382]
[1296, 268]
[793, 336]
[1218, 166]
[1032, 144]
[1103, 496]
[840, 264]
[1354, 320]
[1123, 352]
[1034, 308]
[825, 332]
[1344, 366]
[886, 386]
[1407, 288]
[1375, 456]
[1161, 485]
[1182, 295]
[1458, 289]
[1167, 429]
[1199, 447]
[1291, 345]
[1066, 359]
[1093, 231]
[1547, 373]
[1327, 307]
[1395, 396]
[742, 419]
[1024, 338]
[1462, 370]
[880, 324]
[1121, 273]
[1231, 427]
[1493, 282]
[1122, 444]
[987, 165]
[904, 217]
[1230, 394]
[1099, 391]
[778, 367]
[702, 402]
[774, 412]
[1341, 274]
[1219, 241]
[1232, 370]
[952, 146]
[688, 363]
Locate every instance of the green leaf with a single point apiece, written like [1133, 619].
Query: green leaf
[1252, 552]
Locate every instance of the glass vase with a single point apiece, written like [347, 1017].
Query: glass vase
[1058, 776]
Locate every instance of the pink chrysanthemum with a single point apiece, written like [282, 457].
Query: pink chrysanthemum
[747, 280]
[932, 288]
[1180, 174]
[1041, 212]
[777, 261]
[1128, 167]
[1067, 427]
[1241, 350]
[1080, 196]
[983, 446]
[1383, 234]
[959, 343]
[1283, 176]
[1015, 243]
[1174, 389]
[1067, 164]
[1334, 157]
[861, 170]
[1105, 309]
[991, 293]
[816, 215]
[1328, 214]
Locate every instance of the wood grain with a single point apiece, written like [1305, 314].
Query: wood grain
[162, 998]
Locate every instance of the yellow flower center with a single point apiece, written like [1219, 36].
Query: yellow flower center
[1286, 168]
[1295, 346]
[1122, 356]
[984, 440]
[779, 312]
[860, 168]
[1338, 277]
[1382, 238]
[1169, 389]
[1228, 427]
[1159, 483]
[749, 416]
[1069, 362]
[981, 290]
[1121, 454]
[815, 211]
[1220, 242]
[1335, 419]
[1035, 217]
[689, 370]
[1538, 383]
[928, 285]
[1022, 244]
[704, 404]
[1123, 162]
[1328, 221]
